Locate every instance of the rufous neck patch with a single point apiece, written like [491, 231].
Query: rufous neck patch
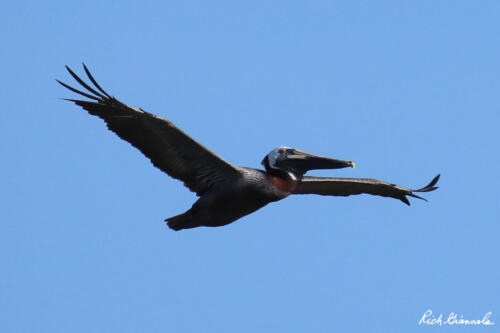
[285, 185]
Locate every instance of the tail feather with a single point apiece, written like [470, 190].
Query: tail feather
[182, 221]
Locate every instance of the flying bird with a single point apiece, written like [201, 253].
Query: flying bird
[226, 192]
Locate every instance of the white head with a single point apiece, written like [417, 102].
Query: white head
[277, 154]
[296, 163]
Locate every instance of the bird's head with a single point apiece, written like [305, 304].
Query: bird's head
[295, 163]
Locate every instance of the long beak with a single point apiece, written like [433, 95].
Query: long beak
[305, 161]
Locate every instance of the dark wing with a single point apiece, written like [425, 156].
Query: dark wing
[350, 186]
[168, 148]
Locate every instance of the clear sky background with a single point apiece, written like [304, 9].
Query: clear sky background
[407, 90]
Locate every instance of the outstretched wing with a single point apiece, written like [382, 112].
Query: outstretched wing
[168, 148]
[350, 186]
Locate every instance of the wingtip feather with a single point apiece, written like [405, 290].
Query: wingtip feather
[94, 82]
[77, 91]
[83, 83]
[431, 186]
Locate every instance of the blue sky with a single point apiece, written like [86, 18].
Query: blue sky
[405, 89]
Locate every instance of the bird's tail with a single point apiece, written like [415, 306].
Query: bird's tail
[182, 221]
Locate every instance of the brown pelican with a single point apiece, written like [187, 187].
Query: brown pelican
[226, 192]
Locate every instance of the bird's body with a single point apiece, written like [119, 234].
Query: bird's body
[231, 201]
[226, 192]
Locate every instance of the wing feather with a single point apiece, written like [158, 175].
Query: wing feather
[168, 148]
[352, 186]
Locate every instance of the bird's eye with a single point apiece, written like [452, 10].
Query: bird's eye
[282, 150]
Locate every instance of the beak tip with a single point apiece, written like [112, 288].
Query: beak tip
[353, 165]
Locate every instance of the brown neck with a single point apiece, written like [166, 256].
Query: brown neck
[279, 178]
[285, 185]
